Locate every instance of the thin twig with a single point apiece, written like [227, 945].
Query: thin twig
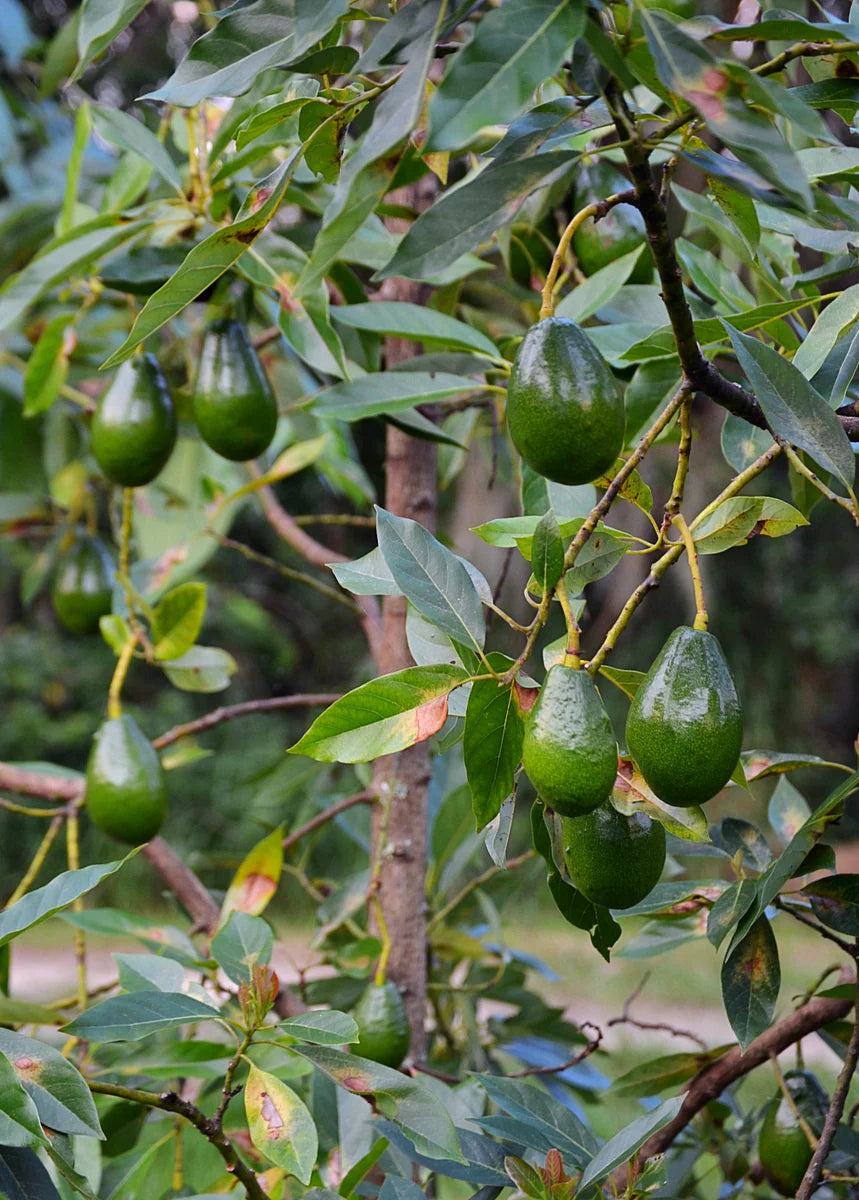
[247, 708]
[572, 1062]
[287, 572]
[474, 884]
[328, 814]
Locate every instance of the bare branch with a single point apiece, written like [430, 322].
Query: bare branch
[328, 814]
[246, 709]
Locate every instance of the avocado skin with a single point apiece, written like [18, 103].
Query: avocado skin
[234, 406]
[126, 795]
[134, 428]
[383, 1025]
[685, 722]
[598, 243]
[569, 751]
[783, 1148]
[614, 860]
[565, 412]
[82, 591]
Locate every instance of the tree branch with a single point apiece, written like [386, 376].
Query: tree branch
[709, 1083]
[247, 708]
[328, 814]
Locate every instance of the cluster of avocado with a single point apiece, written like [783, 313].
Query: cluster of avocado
[134, 427]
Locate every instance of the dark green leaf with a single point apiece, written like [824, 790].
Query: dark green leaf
[323, 1028]
[143, 972]
[547, 552]
[100, 22]
[122, 130]
[623, 1145]
[47, 366]
[56, 1087]
[19, 1118]
[382, 716]
[388, 392]
[113, 922]
[227, 60]
[751, 978]
[835, 902]
[243, 943]
[552, 1125]
[729, 909]
[738, 835]
[470, 213]
[661, 1073]
[628, 681]
[137, 1015]
[492, 744]
[793, 408]
[415, 323]
[515, 48]
[23, 1177]
[177, 619]
[432, 578]
[63, 890]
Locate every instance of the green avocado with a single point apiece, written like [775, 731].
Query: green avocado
[614, 860]
[598, 243]
[383, 1026]
[685, 723]
[783, 1148]
[126, 795]
[82, 591]
[234, 406]
[565, 411]
[134, 428]
[569, 751]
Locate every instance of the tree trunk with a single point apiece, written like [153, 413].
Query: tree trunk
[402, 780]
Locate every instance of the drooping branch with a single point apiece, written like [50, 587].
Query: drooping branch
[184, 883]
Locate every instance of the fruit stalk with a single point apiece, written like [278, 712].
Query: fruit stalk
[683, 458]
[114, 703]
[791, 1103]
[701, 618]
[572, 655]
[595, 210]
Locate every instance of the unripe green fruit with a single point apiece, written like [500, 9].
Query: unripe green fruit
[565, 412]
[82, 591]
[134, 428]
[234, 406]
[568, 750]
[685, 723]
[126, 794]
[383, 1025]
[614, 860]
[783, 1147]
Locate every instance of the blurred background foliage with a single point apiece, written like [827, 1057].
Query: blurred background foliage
[786, 610]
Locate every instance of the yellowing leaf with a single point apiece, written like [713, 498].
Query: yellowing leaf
[257, 878]
[280, 1125]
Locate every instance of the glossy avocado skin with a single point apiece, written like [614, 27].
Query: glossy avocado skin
[598, 243]
[568, 750]
[565, 411]
[382, 1025]
[685, 722]
[234, 406]
[134, 428]
[126, 795]
[783, 1148]
[614, 860]
[82, 591]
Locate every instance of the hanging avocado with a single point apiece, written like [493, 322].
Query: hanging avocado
[569, 751]
[685, 723]
[126, 796]
[234, 406]
[783, 1147]
[134, 427]
[613, 859]
[83, 585]
[383, 1026]
[598, 243]
[565, 412]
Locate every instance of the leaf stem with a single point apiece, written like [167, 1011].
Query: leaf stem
[572, 654]
[701, 618]
[684, 453]
[801, 469]
[596, 210]
[73, 856]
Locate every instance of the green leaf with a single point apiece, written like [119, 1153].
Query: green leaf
[56, 1087]
[631, 794]
[515, 49]
[729, 910]
[63, 890]
[660, 343]
[137, 1015]
[100, 22]
[17, 1110]
[492, 744]
[432, 578]
[280, 1124]
[343, 218]
[628, 681]
[47, 366]
[382, 716]
[61, 259]
[598, 289]
[793, 408]
[23, 1176]
[742, 443]
[758, 764]
[835, 902]
[835, 318]
[788, 810]
[751, 978]
[366, 576]
[467, 215]
[623, 1145]
[547, 552]
[113, 922]
[415, 323]
[661, 1073]
[598, 557]
[549, 1125]
[209, 259]
[323, 1028]
[201, 669]
[740, 211]
[143, 972]
[122, 130]
[244, 942]
[740, 518]
[177, 619]
[418, 1112]
[249, 39]
[388, 392]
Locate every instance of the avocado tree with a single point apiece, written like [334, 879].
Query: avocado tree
[361, 250]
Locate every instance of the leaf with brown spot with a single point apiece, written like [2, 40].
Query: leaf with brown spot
[280, 1125]
[631, 794]
[751, 978]
[256, 880]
